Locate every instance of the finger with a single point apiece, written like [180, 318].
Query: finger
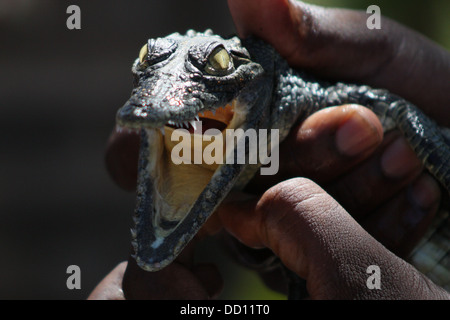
[392, 167]
[110, 288]
[325, 145]
[252, 18]
[304, 34]
[173, 282]
[121, 157]
[182, 279]
[329, 41]
[316, 238]
[400, 223]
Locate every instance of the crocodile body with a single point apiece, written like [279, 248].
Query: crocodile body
[180, 79]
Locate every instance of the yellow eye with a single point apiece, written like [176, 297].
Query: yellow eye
[143, 53]
[218, 62]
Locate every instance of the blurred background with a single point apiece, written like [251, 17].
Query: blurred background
[59, 91]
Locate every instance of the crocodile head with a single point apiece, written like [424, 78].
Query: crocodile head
[186, 82]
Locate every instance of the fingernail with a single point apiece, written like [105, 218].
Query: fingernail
[398, 160]
[425, 192]
[357, 135]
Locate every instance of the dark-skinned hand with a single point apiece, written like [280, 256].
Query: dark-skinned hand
[389, 201]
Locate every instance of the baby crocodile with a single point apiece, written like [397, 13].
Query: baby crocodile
[183, 81]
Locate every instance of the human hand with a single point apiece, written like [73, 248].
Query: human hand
[182, 279]
[318, 240]
[385, 191]
[336, 44]
[379, 181]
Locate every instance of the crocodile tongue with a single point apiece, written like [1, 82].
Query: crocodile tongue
[174, 200]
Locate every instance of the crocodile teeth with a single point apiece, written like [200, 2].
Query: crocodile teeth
[134, 244]
[193, 124]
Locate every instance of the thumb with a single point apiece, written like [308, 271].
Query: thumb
[317, 239]
[275, 21]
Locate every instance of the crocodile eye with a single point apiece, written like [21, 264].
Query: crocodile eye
[143, 54]
[156, 51]
[219, 62]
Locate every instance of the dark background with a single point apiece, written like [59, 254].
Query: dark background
[59, 91]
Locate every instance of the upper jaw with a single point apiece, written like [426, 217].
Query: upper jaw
[167, 96]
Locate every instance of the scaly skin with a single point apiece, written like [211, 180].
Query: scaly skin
[173, 85]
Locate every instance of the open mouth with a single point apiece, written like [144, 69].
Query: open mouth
[178, 185]
[176, 192]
